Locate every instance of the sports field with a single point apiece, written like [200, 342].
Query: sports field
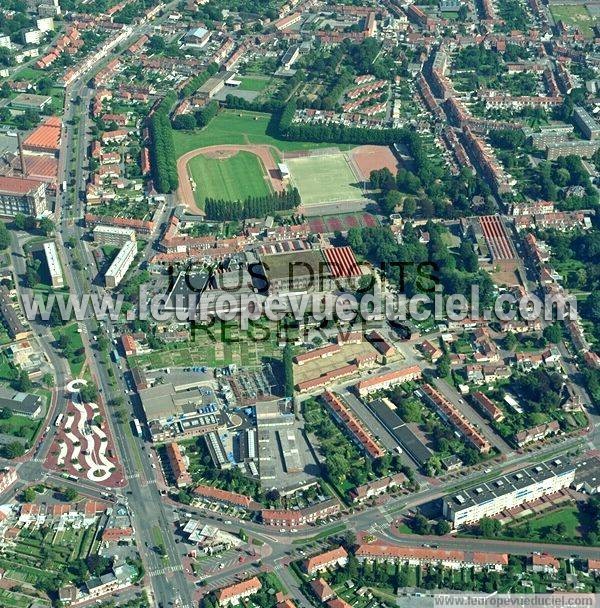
[238, 127]
[324, 179]
[575, 16]
[235, 178]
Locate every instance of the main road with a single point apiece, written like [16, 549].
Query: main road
[151, 517]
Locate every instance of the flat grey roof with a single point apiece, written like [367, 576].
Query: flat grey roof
[506, 484]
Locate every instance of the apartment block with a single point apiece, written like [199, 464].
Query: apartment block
[120, 264]
[54, 267]
[113, 235]
[508, 491]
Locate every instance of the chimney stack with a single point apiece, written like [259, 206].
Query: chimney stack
[21, 157]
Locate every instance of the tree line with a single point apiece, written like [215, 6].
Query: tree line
[339, 134]
[195, 83]
[223, 210]
[163, 159]
[186, 122]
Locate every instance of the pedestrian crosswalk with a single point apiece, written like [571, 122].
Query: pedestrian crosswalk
[165, 570]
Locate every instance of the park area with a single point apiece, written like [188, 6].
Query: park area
[234, 177]
[69, 342]
[237, 127]
[222, 344]
[575, 15]
[325, 178]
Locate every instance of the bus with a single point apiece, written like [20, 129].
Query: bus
[59, 420]
[138, 427]
[115, 355]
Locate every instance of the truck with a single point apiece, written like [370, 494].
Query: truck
[64, 186]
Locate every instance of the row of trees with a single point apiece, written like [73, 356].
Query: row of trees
[223, 210]
[339, 134]
[206, 114]
[163, 158]
[288, 370]
[195, 83]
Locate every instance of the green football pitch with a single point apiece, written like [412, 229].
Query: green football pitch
[235, 178]
[324, 179]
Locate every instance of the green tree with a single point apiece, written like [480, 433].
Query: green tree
[390, 201]
[4, 236]
[443, 366]
[89, 393]
[553, 333]
[29, 494]
[288, 370]
[23, 383]
[12, 450]
[488, 527]
[19, 221]
[46, 226]
[70, 494]
[48, 380]
[510, 341]
[442, 527]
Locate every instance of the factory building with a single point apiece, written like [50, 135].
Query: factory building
[22, 195]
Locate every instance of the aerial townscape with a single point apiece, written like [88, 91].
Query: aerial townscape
[299, 303]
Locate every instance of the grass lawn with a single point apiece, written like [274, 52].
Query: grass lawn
[235, 178]
[216, 347]
[75, 360]
[7, 371]
[543, 527]
[324, 179]
[574, 15]
[20, 426]
[254, 83]
[568, 516]
[29, 74]
[324, 534]
[237, 127]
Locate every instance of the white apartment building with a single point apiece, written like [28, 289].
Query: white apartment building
[525, 485]
[54, 267]
[113, 235]
[120, 264]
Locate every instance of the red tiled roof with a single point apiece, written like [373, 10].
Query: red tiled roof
[338, 602]
[252, 584]
[398, 375]
[354, 425]
[224, 496]
[116, 534]
[321, 589]
[46, 136]
[17, 185]
[319, 561]
[544, 560]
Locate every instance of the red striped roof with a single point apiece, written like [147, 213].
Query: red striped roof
[342, 262]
